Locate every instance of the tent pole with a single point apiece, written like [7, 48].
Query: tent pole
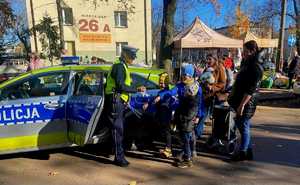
[180, 61]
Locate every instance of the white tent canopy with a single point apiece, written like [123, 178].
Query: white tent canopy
[198, 35]
[262, 43]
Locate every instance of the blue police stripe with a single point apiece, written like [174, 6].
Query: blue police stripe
[29, 113]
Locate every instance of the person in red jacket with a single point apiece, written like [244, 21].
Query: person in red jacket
[228, 63]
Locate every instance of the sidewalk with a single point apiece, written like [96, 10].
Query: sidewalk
[275, 94]
[278, 98]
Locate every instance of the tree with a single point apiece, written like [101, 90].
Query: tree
[156, 26]
[7, 18]
[126, 5]
[296, 17]
[167, 28]
[167, 31]
[242, 23]
[22, 32]
[272, 9]
[49, 38]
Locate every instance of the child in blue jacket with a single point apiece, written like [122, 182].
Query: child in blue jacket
[163, 113]
[188, 112]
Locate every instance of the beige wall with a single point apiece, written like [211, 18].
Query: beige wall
[134, 34]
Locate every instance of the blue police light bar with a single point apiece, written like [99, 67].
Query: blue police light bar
[70, 60]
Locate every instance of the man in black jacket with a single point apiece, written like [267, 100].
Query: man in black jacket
[243, 99]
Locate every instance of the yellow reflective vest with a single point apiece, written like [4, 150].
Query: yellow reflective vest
[111, 84]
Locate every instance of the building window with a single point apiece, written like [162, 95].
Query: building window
[121, 19]
[67, 16]
[119, 47]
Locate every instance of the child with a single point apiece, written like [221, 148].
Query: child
[188, 112]
[164, 114]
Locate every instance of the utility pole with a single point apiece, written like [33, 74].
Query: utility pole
[146, 32]
[60, 24]
[281, 37]
[33, 27]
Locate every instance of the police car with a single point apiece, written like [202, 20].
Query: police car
[57, 106]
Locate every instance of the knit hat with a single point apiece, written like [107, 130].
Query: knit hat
[164, 78]
[188, 70]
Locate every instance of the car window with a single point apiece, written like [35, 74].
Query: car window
[41, 85]
[89, 83]
[138, 80]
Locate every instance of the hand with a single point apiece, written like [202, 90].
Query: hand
[195, 120]
[142, 89]
[240, 110]
[157, 99]
[145, 106]
[210, 87]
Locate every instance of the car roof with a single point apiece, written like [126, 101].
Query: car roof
[101, 67]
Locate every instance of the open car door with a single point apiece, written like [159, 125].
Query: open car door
[85, 106]
[32, 113]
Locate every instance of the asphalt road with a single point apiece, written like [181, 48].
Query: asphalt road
[276, 136]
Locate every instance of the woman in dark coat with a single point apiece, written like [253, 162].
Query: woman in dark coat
[243, 97]
[292, 68]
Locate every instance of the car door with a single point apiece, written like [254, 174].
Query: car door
[32, 112]
[85, 105]
[138, 99]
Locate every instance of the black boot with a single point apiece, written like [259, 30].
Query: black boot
[121, 163]
[241, 156]
[250, 154]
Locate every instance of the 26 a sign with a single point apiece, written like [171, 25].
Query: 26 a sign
[91, 26]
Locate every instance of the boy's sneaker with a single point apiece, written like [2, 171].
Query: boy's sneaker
[194, 154]
[167, 152]
[185, 164]
[250, 154]
[241, 156]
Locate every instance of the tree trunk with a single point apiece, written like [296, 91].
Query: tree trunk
[167, 31]
[297, 15]
[279, 61]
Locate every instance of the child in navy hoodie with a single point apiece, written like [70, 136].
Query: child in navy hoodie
[188, 112]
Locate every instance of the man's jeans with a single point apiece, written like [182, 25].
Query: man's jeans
[188, 144]
[200, 126]
[243, 125]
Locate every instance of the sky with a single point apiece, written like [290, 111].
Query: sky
[204, 11]
[208, 15]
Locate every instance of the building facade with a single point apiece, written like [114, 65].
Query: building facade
[96, 27]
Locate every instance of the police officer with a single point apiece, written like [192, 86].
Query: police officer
[118, 88]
